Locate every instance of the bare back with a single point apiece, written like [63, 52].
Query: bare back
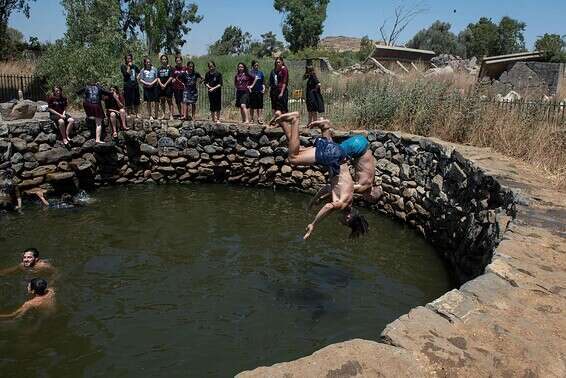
[343, 186]
[365, 170]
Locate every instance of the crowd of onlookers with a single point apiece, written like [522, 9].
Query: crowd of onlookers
[167, 87]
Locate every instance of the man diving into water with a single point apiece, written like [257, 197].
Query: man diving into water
[329, 154]
[357, 150]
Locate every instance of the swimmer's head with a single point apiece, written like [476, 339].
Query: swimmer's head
[37, 286]
[357, 223]
[30, 257]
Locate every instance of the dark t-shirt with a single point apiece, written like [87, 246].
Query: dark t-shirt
[130, 79]
[312, 83]
[110, 102]
[213, 78]
[190, 80]
[177, 72]
[59, 104]
[93, 94]
[164, 73]
[282, 77]
[258, 87]
[242, 80]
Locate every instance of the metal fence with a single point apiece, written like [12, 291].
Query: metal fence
[33, 87]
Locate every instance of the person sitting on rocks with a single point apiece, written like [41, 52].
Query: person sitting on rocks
[329, 154]
[358, 152]
[43, 300]
[57, 105]
[31, 262]
[115, 109]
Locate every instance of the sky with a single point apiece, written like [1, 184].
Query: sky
[353, 18]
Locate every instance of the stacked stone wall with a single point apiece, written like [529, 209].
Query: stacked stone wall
[428, 185]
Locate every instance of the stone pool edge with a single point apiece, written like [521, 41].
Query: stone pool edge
[476, 330]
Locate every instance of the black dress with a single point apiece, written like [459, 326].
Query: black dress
[215, 97]
[314, 100]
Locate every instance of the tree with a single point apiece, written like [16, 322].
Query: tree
[267, 46]
[554, 47]
[233, 42]
[511, 38]
[7, 7]
[164, 22]
[437, 38]
[93, 47]
[303, 22]
[481, 38]
[403, 17]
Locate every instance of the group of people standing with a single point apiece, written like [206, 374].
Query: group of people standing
[166, 85]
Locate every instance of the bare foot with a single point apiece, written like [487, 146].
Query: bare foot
[114, 134]
[287, 117]
[323, 124]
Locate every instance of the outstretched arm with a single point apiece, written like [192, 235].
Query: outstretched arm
[18, 313]
[323, 212]
[11, 270]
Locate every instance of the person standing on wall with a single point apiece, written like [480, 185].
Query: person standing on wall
[131, 87]
[313, 95]
[148, 78]
[164, 77]
[213, 82]
[190, 78]
[242, 82]
[257, 89]
[92, 104]
[57, 105]
[178, 86]
[278, 91]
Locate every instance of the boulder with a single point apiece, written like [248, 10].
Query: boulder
[24, 109]
[53, 155]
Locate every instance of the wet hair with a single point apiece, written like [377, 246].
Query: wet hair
[191, 64]
[38, 285]
[32, 250]
[254, 62]
[115, 88]
[57, 87]
[145, 61]
[357, 223]
[164, 56]
[212, 62]
[276, 59]
[180, 57]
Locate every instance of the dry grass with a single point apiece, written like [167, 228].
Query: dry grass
[450, 109]
[17, 67]
[561, 93]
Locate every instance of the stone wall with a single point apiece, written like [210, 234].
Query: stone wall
[457, 207]
[531, 78]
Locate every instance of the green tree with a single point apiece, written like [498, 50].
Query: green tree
[437, 38]
[233, 42]
[7, 8]
[511, 38]
[92, 48]
[163, 22]
[303, 22]
[554, 47]
[481, 39]
[267, 46]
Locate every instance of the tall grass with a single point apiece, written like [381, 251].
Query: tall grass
[439, 109]
[17, 67]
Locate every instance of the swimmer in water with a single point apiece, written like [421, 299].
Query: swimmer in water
[43, 300]
[30, 262]
[329, 154]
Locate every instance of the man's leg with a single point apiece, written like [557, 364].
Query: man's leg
[297, 156]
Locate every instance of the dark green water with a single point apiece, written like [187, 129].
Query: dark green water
[202, 281]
